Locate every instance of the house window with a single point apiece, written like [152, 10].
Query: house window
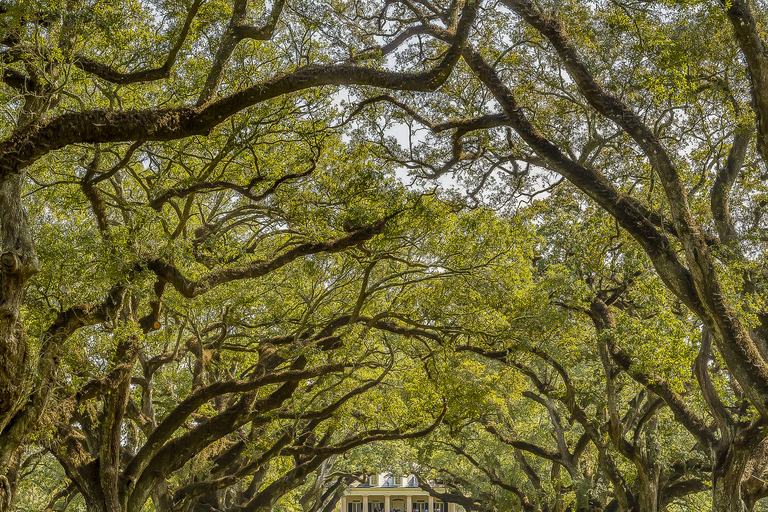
[373, 480]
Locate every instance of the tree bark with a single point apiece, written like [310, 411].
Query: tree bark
[648, 495]
[18, 261]
[727, 473]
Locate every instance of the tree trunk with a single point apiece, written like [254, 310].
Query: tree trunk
[581, 487]
[18, 262]
[649, 472]
[648, 499]
[727, 473]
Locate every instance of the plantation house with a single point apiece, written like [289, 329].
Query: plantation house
[385, 492]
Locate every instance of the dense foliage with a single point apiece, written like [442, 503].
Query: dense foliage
[254, 251]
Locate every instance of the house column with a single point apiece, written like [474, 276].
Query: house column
[431, 504]
[343, 504]
[386, 504]
[408, 504]
[451, 507]
[365, 503]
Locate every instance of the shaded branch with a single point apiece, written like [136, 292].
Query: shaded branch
[260, 268]
[112, 75]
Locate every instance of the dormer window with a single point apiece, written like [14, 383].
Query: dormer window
[373, 480]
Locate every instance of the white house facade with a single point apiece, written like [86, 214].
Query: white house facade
[387, 493]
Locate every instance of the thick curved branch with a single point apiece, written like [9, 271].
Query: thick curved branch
[611, 107]
[260, 268]
[169, 426]
[755, 50]
[494, 479]
[30, 143]
[386, 49]
[244, 190]
[191, 491]
[466, 125]
[531, 448]
[698, 288]
[112, 75]
[724, 181]
[723, 418]
[236, 31]
[739, 351]
[670, 493]
[450, 497]
[151, 466]
[366, 437]
[18, 80]
[630, 214]
[533, 477]
[53, 343]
